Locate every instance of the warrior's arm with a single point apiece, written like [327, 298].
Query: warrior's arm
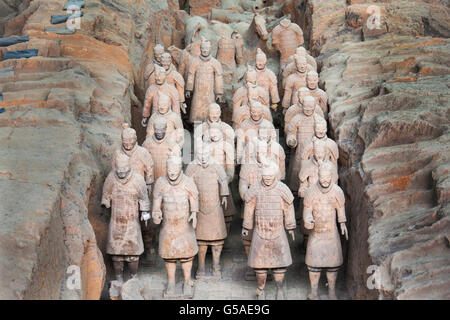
[191, 76]
[243, 187]
[144, 201]
[149, 174]
[287, 94]
[291, 137]
[239, 50]
[107, 191]
[274, 90]
[289, 216]
[157, 201]
[223, 182]
[179, 131]
[308, 217]
[218, 79]
[147, 103]
[249, 212]
[229, 163]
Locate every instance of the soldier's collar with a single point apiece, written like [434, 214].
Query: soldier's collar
[126, 179]
[157, 140]
[176, 182]
[285, 23]
[205, 58]
[325, 190]
[256, 122]
[130, 152]
[273, 185]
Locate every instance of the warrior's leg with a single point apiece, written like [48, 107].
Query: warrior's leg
[202, 248]
[331, 278]
[118, 270]
[261, 276]
[148, 233]
[216, 252]
[188, 286]
[171, 267]
[247, 241]
[278, 275]
[314, 276]
[133, 266]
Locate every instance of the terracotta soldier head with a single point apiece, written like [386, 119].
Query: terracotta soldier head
[312, 80]
[158, 51]
[160, 75]
[320, 127]
[174, 168]
[123, 167]
[256, 110]
[300, 63]
[301, 93]
[203, 154]
[214, 112]
[166, 60]
[129, 137]
[160, 128]
[269, 173]
[205, 48]
[319, 151]
[309, 105]
[164, 103]
[325, 175]
[250, 77]
[261, 59]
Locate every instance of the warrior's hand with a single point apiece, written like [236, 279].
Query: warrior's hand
[284, 111]
[291, 232]
[193, 218]
[309, 223]
[107, 204]
[145, 215]
[144, 122]
[188, 94]
[183, 107]
[219, 98]
[344, 231]
[157, 217]
[244, 232]
[224, 202]
[274, 107]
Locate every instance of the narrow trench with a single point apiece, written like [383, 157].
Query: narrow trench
[233, 260]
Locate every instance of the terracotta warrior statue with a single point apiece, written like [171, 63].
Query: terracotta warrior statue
[269, 211]
[324, 203]
[300, 131]
[223, 153]
[175, 128]
[266, 78]
[205, 81]
[297, 108]
[250, 90]
[249, 130]
[155, 90]
[159, 144]
[175, 203]
[286, 37]
[312, 81]
[294, 82]
[291, 65]
[141, 162]
[243, 112]
[158, 51]
[173, 77]
[214, 114]
[212, 184]
[126, 192]
[320, 133]
[230, 52]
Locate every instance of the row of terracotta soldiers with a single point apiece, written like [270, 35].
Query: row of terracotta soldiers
[202, 195]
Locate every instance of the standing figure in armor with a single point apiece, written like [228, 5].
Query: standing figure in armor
[294, 82]
[230, 52]
[158, 51]
[286, 37]
[312, 81]
[266, 78]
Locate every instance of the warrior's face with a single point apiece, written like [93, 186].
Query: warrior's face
[157, 53]
[160, 130]
[123, 169]
[325, 178]
[214, 115]
[260, 62]
[256, 111]
[308, 107]
[173, 170]
[320, 130]
[312, 81]
[160, 76]
[128, 143]
[268, 178]
[163, 106]
[301, 64]
[203, 154]
[205, 49]
[166, 61]
[319, 153]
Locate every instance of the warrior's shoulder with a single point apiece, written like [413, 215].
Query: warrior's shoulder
[285, 192]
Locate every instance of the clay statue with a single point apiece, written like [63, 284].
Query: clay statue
[312, 81]
[294, 82]
[160, 145]
[297, 108]
[266, 78]
[249, 130]
[243, 112]
[269, 211]
[275, 152]
[250, 90]
[183, 58]
[323, 203]
[291, 65]
[300, 131]
[260, 26]
[223, 153]
[158, 51]
[151, 96]
[141, 162]
[126, 192]
[212, 184]
[175, 203]
[309, 172]
[174, 123]
[230, 52]
[173, 77]
[205, 81]
[214, 114]
[286, 37]
[320, 133]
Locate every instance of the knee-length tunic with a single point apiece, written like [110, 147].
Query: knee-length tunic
[126, 197]
[175, 201]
